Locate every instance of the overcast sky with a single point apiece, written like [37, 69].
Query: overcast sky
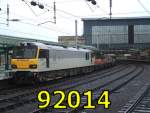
[67, 11]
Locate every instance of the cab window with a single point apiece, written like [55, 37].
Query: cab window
[87, 56]
[43, 53]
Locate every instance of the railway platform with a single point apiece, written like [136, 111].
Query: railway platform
[4, 75]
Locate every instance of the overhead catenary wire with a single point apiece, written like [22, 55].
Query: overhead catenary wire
[25, 33]
[41, 6]
[22, 17]
[58, 10]
[64, 17]
[119, 13]
[47, 28]
[33, 20]
[68, 1]
[68, 18]
[60, 30]
[62, 11]
[88, 6]
[30, 7]
[130, 12]
[54, 16]
[139, 1]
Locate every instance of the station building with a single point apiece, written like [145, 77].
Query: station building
[71, 40]
[117, 33]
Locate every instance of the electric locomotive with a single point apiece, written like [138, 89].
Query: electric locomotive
[40, 62]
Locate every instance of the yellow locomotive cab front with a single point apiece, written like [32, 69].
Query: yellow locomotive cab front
[24, 63]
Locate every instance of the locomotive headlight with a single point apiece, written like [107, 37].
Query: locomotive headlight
[33, 66]
[13, 66]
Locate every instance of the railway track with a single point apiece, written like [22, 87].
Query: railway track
[140, 103]
[26, 99]
[17, 88]
[27, 103]
[9, 89]
[95, 90]
[112, 85]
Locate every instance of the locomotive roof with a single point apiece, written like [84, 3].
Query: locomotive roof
[44, 46]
